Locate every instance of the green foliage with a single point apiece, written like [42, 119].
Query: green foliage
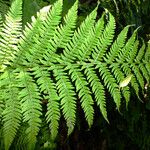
[56, 62]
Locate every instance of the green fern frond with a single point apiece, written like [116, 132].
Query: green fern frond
[125, 51]
[52, 65]
[31, 32]
[31, 106]
[138, 75]
[104, 40]
[67, 96]
[110, 83]
[80, 35]
[144, 71]
[84, 92]
[49, 27]
[90, 43]
[47, 86]
[12, 112]
[11, 33]
[63, 33]
[141, 52]
[117, 45]
[97, 89]
[133, 53]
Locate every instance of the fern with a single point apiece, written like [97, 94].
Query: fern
[48, 87]
[31, 106]
[54, 65]
[12, 110]
[10, 33]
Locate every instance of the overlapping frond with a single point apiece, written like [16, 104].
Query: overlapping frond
[56, 65]
[47, 86]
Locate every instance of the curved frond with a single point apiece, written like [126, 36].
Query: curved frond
[63, 34]
[133, 53]
[141, 52]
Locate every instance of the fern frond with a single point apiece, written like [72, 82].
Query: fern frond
[138, 75]
[84, 92]
[110, 83]
[31, 106]
[11, 33]
[117, 45]
[56, 63]
[105, 40]
[141, 52]
[47, 86]
[65, 30]
[67, 95]
[133, 53]
[144, 71]
[97, 89]
[44, 29]
[63, 33]
[125, 51]
[72, 49]
[30, 34]
[12, 111]
[91, 40]
[49, 27]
